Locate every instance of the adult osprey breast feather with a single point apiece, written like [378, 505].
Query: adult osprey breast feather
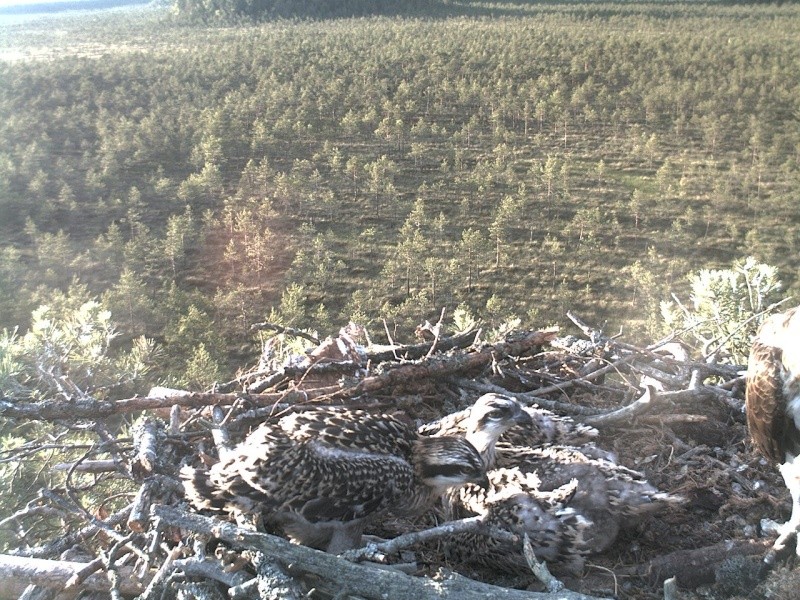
[772, 405]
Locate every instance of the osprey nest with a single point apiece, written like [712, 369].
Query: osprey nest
[541, 466]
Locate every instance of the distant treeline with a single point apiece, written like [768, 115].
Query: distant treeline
[54, 7]
[216, 10]
[257, 10]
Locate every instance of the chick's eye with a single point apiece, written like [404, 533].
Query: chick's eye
[495, 414]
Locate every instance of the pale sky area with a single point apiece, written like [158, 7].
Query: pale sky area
[19, 2]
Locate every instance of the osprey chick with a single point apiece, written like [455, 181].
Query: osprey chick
[605, 497]
[772, 405]
[322, 475]
[611, 496]
[481, 424]
[513, 502]
[494, 416]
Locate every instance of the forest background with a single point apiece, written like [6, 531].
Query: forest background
[194, 177]
[170, 176]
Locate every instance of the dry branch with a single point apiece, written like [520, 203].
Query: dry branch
[417, 351]
[539, 568]
[88, 408]
[56, 410]
[695, 567]
[408, 540]
[155, 487]
[147, 436]
[624, 415]
[88, 466]
[17, 571]
[363, 580]
[588, 378]
[436, 367]
[57, 546]
[291, 331]
[527, 398]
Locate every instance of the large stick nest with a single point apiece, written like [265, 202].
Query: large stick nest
[676, 419]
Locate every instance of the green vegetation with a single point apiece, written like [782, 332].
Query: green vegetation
[514, 160]
[727, 306]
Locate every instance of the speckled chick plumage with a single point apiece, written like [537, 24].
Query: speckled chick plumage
[483, 423]
[611, 496]
[523, 456]
[321, 475]
[535, 427]
[513, 503]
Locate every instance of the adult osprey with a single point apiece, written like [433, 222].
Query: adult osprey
[322, 475]
[772, 406]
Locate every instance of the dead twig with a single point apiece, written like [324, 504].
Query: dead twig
[539, 569]
[437, 329]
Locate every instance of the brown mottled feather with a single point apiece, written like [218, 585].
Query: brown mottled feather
[765, 403]
[512, 502]
[772, 382]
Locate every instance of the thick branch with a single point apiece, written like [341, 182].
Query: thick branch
[147, 436]
[88, 466]
[152, 489]
[54, 410]
[16, 571]
[624, 415]
[695, 567]
[440, 367]
[362, 580]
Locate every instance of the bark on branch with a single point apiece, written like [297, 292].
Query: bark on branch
[17, 572]
[417, 351]
[363, 580]
[87, 408]
[438, 367]
[695, 567]
[55, 410]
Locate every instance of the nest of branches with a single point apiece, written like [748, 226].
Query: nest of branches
[677, 420]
